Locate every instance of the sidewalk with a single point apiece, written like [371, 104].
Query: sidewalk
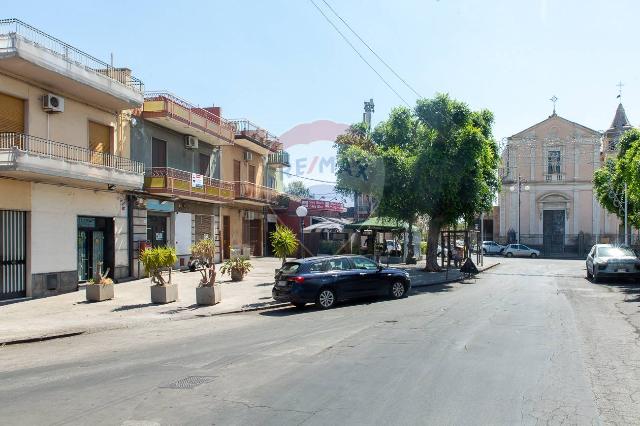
[420, 278]
[68, 314]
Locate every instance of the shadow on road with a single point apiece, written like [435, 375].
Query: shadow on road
[630, 287]
[292, 310]
[130, 307]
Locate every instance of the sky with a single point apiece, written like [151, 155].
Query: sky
[280, 64]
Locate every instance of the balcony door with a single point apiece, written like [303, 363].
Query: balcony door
[99, 142]
[158, 153]
[252, 173]
[12, 117]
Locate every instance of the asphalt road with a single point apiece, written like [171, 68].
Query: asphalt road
[528, 342]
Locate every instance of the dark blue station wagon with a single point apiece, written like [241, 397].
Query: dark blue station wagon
[328, 280]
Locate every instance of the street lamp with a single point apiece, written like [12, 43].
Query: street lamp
[301, 212]
[520, 186]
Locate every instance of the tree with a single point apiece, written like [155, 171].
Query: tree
[284, 242]
[609, 180]
[204, 251]
[297, 188]
[456, 166]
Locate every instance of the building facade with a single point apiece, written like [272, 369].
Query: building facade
[547, 199]
[65, 167]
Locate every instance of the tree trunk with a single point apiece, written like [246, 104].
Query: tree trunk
[435, 224]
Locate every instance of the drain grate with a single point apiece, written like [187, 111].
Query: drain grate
[189, 382]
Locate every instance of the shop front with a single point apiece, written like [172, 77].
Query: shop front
[95, 247]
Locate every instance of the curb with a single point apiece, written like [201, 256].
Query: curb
[41, 338]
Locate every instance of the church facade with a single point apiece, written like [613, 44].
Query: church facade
[547, 199]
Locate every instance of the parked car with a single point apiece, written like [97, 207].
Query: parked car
[491, 247]
[330, 279]
[520, 250]
[393, 248]
[607, 260]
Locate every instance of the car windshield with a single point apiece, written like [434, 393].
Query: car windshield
[290, 268]
[614, 252]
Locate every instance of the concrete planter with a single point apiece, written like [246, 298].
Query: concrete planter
[99, 292]
[236, 275]
[164, 294]
[208, 295]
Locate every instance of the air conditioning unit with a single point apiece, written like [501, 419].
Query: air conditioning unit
[52, 103]
[248, 156]
[190, 142]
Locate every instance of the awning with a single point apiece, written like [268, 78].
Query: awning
[324, 226]
[384, 224]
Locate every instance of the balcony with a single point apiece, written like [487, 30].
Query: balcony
[32, 54]
[255, 138]
[181, 184]
[251, 193]
[177, 114]
[279, 159]
[36, 159]
[554, 177]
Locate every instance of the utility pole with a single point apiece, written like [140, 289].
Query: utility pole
[626, 234]
[519, 187]
[369, 108]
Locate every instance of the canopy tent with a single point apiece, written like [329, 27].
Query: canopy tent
[324, 226]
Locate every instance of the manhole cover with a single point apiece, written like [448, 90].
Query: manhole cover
[189, 382]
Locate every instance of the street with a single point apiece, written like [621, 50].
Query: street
[530, 341]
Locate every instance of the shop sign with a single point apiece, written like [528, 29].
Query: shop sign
[86, 222]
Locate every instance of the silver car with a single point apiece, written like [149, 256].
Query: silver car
[520, 250]
[608, 260]
[491, 247]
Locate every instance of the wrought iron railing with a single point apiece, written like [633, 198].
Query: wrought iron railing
[554, 177]
[184, 107]
[69, 53]
[249, 130]
[181, 182]
[252, 191]
[44, 147]
[280, 157]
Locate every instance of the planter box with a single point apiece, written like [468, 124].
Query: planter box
[99, 292]
[208, 295]
[236, 275]
[164, 294]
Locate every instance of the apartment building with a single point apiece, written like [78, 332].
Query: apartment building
[65, 166]
[254, 164]
[179, 145]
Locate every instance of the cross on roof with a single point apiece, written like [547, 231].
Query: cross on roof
[554, 99]
[620, 86]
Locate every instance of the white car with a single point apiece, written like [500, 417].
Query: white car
[607, 260]
[491, 247]
[520, 250]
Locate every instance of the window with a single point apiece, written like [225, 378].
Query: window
[204, 164]
[252, 173]
[290, 268]
[99, 138]
[317, 267]
[339, 264]
[364, 263]
[12, 117]
[553, 162]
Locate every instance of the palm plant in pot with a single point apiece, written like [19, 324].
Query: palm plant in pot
[100, 287]
[156, 261]
[237, 267]
[284, 243]
[208, 291]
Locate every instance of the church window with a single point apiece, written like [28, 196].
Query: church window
[553, 162]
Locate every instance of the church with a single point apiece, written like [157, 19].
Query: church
[547, 199]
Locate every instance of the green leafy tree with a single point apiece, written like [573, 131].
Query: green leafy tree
[297, 188]
[456, 166]
[157, 259]
[284, 242]
[609, 180]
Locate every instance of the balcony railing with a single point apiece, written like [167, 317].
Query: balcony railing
[61, 151]
[554, 177]
[189, 114]
[247, 129]
[69, 53]
[254, 192]
[279, 158]
[165, 180]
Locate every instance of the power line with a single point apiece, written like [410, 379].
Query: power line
[371, 50]
[304, 177]
[359, 54]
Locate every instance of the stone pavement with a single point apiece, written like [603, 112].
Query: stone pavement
[67, 314]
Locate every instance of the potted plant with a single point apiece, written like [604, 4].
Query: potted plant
[284, 243]
[99, 288]
[208, 291]
[237, 267]
[155, 261]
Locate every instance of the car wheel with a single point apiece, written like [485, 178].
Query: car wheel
[595, 276]
[397, 290]
[326, 298]
[509, 254]
[299, 305]
[484, 251]
[533, 255]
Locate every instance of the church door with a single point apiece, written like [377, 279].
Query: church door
[553, 232]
